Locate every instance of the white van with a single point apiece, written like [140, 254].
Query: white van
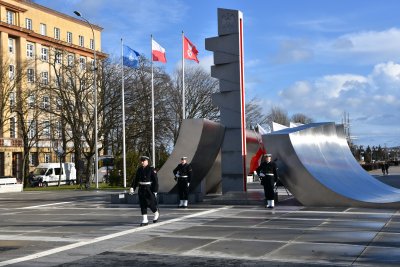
[46, 174]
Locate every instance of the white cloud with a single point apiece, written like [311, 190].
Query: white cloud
[372, 101]
[364, 47]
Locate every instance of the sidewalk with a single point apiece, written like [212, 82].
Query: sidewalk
[393, 179]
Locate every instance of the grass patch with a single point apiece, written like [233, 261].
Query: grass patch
[102, 186]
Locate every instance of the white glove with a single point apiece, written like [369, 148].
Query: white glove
[177, 175]
[155, 194]
[262, 175]
[131, 192]
[188, 184]
[275, 184]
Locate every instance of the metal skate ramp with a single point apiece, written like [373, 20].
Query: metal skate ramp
[200, 140]
[318, 168]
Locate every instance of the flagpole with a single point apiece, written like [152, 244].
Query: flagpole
[152, 107]
[123, 113]
[183, 77]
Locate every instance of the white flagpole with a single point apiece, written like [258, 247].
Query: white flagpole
[152, 107]
[183, 77]
[123, 113]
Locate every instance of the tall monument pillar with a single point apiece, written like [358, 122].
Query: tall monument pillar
[229, 69]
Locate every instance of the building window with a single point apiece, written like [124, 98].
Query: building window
[28, 24]
[73, 157]
[33, 159]
[81, 41]
[45, 102]
[12, 72]
[46, 128]
[10, 17]
[45, 53]
[69, 37]
[13, 133]
[91, 44]
[58, 57]
[31, 101]
[29, 50]
[43, 29]
[31, 75]
[82, 63]
[57, 33]
[70, 60]
[47, 158]
[32, 129]
[58, 104]
[12, 100]
[45, 77]
[11, 45]
[58, 129]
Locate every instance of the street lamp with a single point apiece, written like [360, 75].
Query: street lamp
[96, 165]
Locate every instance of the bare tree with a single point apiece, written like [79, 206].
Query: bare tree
[199, 88]
[254, 114]
[301, 118]
[72, 107]
[278, 115]
[8, 90]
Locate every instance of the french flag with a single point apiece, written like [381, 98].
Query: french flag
[158, 52]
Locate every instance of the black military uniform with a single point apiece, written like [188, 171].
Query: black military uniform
[183, 175]
[268, 176]
[147, 181]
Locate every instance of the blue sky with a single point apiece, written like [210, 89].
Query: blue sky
[320, 58]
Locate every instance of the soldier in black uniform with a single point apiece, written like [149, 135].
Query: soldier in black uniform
[268, 176]
[183, 175]
[147, 181]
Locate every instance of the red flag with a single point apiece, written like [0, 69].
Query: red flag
[189, 50]
[158, 52]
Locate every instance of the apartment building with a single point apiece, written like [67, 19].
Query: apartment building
[28, 34]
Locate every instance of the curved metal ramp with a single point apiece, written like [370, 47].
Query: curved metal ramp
[200, 140]
[318, 168]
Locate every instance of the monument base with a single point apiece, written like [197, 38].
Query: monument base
[163, 198]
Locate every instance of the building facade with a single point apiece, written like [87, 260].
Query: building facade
[29, 36]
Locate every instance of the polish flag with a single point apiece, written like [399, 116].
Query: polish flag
[158, 52]
[189, 50]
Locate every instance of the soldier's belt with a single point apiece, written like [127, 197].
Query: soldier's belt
[145, 183]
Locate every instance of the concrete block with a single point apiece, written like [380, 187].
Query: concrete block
[11, 188]
[165, 198]
[232, 162]
[226, 86]
[119, 198]
[230, 119]
[229, 72]
[228, 100]
[132, 199]
[232, 140]
[228, 21]
[225, 58]
[232, 182]
[228, 44]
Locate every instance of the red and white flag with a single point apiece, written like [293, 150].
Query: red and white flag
[158, 52]
[189, 50]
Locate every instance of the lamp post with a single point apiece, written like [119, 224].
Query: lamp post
[96, 164]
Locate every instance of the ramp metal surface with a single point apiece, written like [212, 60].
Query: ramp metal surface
[200, 140]
[318, 168]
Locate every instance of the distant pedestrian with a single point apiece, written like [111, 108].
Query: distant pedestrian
[183, 175]
[383, 168]
[147, 181]
[268, 176]
[387, 168]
